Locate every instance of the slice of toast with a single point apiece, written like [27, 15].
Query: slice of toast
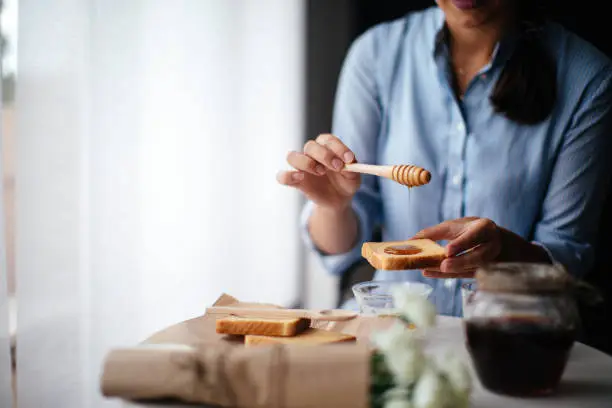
[310, 337]
[402, 255]
[268, 327]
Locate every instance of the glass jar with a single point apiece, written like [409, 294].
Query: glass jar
[520, 326]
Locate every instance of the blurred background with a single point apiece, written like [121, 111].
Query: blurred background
[140, 144]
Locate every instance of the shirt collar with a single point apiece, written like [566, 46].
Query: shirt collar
[441, 31]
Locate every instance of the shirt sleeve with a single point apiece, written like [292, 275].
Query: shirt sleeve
[357, 119]
[574, 202]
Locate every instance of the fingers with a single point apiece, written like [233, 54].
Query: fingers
[339, 149]
[480, 255]
[443, 231]
[323, 155]
[326, 153]
[329, 151]
[319, 171]
[290, 178]
[302, 162]
[472, 242]
[476, 232]
[446, 230]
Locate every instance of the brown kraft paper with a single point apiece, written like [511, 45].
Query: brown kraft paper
[190, 362]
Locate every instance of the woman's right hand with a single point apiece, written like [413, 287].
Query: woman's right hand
[318, 173]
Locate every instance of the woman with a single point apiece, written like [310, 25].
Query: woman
[510, 113]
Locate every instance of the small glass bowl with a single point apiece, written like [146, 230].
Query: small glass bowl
[374, 297]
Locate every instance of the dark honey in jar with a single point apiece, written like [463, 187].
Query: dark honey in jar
[519, 355]
[520, 326]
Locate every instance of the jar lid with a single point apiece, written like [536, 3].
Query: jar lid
[523, 278]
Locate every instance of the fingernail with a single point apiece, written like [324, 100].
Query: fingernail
[320, 169]
[297, 176]
[349, 157]
[337, 164]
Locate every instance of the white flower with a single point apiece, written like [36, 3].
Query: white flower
[389, 338]
[396, 393]
[403, 353]
[398, 403]
[432, 391]
[457, 373]
[414, 307]
[397, 398]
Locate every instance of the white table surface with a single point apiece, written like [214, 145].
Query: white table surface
[586, 383]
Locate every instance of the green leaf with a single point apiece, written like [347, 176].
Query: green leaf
[381, 380]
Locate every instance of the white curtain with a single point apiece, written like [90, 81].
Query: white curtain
[6, 397]
[149, 133]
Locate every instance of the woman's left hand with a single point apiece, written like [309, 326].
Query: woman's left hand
[472, 241]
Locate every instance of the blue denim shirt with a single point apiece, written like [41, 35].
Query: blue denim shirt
[545, 182]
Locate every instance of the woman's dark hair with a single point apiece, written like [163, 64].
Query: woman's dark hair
[526, 90]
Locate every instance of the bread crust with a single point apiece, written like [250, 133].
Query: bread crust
[310, 337]
[268, 327]
[431, 255]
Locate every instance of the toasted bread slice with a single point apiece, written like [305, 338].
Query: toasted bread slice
[261, 326]
[402, 255]
[310, 336]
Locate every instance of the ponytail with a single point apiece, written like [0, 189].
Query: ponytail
[526, 90]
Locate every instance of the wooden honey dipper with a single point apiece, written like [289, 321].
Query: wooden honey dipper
[406, 174]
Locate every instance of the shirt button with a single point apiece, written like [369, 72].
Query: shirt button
[457, 179]
[460, 127]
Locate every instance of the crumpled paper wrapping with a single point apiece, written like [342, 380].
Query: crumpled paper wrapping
[190, 362]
